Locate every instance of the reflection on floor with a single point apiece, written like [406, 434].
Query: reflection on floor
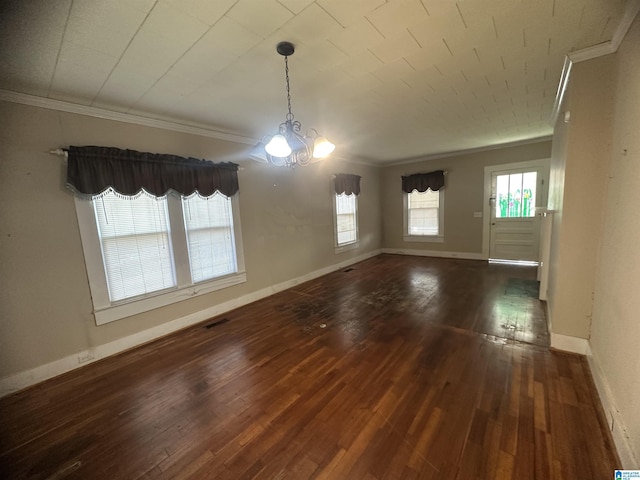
[494, 299]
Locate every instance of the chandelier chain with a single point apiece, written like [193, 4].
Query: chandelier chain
[286, 73]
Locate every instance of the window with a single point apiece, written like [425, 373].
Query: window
[209, 227]
[135, 244]
[144, 252]
[516, 195]
[346, 219]
[423, 217]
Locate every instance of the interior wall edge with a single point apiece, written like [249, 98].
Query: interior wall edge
[28, 378]
[614, 418]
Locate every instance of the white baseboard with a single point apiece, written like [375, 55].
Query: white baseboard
[570, 344]
[30, 377]
[615, 421]
[434, 253]
[613, 416]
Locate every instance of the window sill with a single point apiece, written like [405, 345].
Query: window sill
[346, 247]
[112, 313]
[424, 238]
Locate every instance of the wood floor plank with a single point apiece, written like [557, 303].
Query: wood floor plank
[401, 367]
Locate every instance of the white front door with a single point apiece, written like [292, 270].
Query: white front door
[514, 225]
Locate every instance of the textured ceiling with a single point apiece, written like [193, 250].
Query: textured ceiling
[384, 80]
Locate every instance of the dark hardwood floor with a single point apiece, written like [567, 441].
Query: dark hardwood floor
[397, 368]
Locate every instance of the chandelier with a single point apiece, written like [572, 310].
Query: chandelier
[289, 147]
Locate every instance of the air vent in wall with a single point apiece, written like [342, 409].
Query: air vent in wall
[215, 324]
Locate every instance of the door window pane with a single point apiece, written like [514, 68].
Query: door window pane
[516, 195]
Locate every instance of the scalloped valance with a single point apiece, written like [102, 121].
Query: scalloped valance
[423, 181]
[92, 170]
[346, 183]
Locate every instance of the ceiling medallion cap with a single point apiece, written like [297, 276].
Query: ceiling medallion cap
[285, 49]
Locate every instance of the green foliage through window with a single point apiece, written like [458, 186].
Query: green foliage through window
[516, 195]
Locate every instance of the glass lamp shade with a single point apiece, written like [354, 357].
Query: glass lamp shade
[257, 153]
[278, 146]
[322, 147]
[278, 162]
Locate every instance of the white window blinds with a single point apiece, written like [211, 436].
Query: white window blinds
[210, 241]
[135, 241]
[423, 212]
[346, 225]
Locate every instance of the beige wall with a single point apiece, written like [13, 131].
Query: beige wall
[45, 304]
[464, 189]
[615, 332]
[578, 180]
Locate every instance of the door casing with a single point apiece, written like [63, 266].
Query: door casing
[541, 166]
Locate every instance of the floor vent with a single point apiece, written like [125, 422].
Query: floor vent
[347, 270]
[215, 324]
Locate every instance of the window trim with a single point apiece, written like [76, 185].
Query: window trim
[345, 246]
[106, 311]
[439, 238]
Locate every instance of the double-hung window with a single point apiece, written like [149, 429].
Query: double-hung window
[423, 205]
[210, 238]
[135, 243]
[346, 188]
[423, 212]
[346, 219]
[144, 252]
[423, 216]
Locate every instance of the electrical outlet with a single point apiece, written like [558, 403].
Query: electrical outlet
[85, 357]
[477, 214]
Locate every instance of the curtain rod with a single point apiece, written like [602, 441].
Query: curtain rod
[60, 152]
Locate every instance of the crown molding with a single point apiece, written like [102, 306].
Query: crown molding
[68, 107]
[631, 12]
[456, 153]
[51, 104]
[590, 53]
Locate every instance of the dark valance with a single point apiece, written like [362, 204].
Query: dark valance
[347, 183]
[423, 181]
[92, 170]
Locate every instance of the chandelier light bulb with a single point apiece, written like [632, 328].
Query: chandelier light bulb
[278, 146]
[322, 147]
